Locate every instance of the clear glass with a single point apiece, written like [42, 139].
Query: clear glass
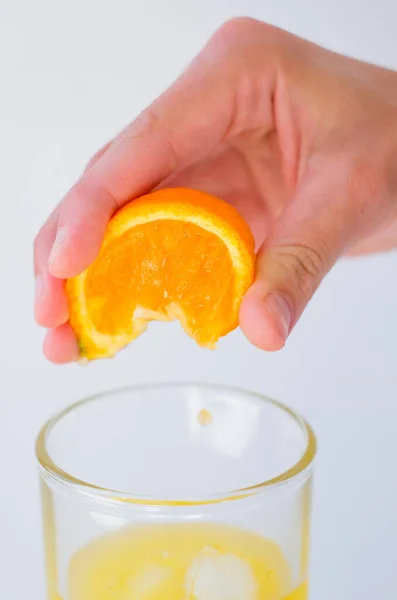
[176, 492]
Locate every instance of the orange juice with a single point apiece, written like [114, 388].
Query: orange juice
[181, 562]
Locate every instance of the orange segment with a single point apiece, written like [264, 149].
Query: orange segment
[173, 254]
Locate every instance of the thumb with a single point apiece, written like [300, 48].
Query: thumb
[305, 243]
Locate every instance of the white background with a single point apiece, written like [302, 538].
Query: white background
[71, 75]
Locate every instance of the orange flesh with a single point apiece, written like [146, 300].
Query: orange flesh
[145, 271]
[172, 254]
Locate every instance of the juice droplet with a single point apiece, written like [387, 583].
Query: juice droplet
[205, 417]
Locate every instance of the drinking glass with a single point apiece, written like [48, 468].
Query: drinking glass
[176, 492]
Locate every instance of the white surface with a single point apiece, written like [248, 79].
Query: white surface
[71, 75]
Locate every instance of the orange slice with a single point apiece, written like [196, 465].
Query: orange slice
[172, 254]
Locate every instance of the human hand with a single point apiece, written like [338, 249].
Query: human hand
[302, 141]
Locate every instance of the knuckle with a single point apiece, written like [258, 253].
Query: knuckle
[94, 159]
[143, 126]
[148, 121]
[236, 28]
[151, 126]
[304, 266]
[90, 187]
[148, 125]
[91, 163]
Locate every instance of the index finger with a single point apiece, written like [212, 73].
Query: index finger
[187, 121]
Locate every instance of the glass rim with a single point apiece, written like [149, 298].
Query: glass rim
[300, 469]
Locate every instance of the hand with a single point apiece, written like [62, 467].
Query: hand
[301, 140]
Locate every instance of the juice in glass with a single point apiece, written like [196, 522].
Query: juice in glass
[224, 510]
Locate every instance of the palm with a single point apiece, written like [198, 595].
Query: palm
[245, 171]
[241, 172]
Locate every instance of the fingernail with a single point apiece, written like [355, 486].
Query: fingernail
[59, 243]
[280, 310]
